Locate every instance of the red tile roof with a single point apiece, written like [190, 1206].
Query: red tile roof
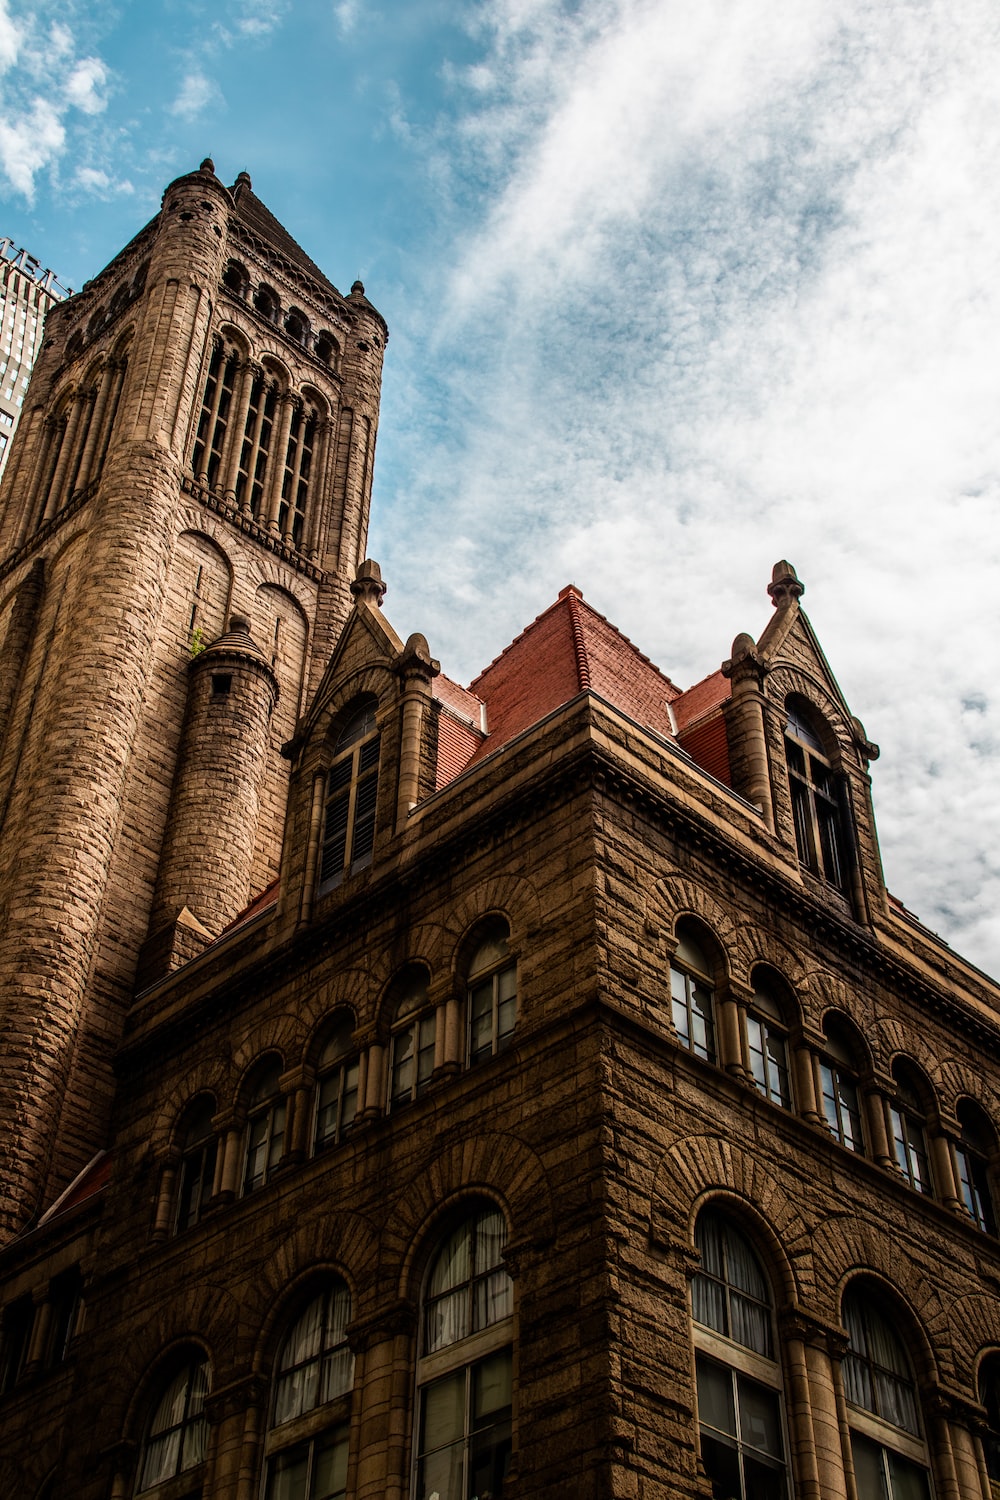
[91, 1181]
[699, 700]
[567, 650]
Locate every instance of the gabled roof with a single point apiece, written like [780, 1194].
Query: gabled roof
[567, 650]
[697, 701]
[259, 219]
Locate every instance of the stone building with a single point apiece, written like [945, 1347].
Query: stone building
[424, 1091]
[26, 294]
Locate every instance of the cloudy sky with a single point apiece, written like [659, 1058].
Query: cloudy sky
[674, 290]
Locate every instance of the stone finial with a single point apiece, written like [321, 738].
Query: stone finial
[367, 585]
[243, 180]
[784, 585]
[238, 624]
[745, 660]
[867, 748]
[416, 657]
[208, 165]
[357, 289]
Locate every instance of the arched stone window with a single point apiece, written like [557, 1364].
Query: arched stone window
[464, 1375]
[692, 989]
[838, 1070]
[326, 348]
[264, 1139]
[336, 1085]
[767, 1040]
[296, 474]
[297, 325]
[908, 1126]
[974, 1151]
[411, 1042]
[817, 796]
[177, 1435]
[267, 303]
[236, 279]
[989, 1396]
[196, 1172]
[351, 797]
[255, 449]
[740, 1408]
[890, 1459]
[492, 993]
[216, 410]
[307, 1445]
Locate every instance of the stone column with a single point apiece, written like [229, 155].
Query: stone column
[415, 670]
[384, 1347]
[746, 670]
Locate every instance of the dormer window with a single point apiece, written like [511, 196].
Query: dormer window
[816, 802]
[351, 794]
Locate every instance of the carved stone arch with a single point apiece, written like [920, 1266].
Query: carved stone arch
[676, 896]
[121, 347]
[185, 1321]
[350, 987]
[373, 680]
[829, 992]
[431, 943]
[280, 625]
[500, 1167]
[347, 1247]
[193, 518]
[276, 368]
[762, 947]
[975, 1333]
[922, 1320]
[892, 1042]
[265, 571]
[281, 1032]
[509, 896]
[786, 679]
[960, 1079]
[199, 590]
[235, 336]
[391, 990]
[210, 1077]
[315, 397]
[700, 1168]
[846, 1247]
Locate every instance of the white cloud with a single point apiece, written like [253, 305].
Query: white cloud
[84, 83]
[101, 184]
[11, 36]
[730, 295]
[196, 93]
[346, 13]
[28, 142]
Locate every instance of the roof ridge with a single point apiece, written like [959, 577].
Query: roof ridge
[579, 640]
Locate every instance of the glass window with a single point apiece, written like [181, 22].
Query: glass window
[972, 1153]
[767, 1046]
[838, 1083]
[351, 797]
[177, 1435]
[411, 1045]
[691, 994]
[878, 1379]
[314, 1373]
[909, 1137]
[989, 1395]
[739, 1388]
[464, 1425]
[265, 1131]
[816, 799]
[492, 998]
[336, 1087]
[197, 1168]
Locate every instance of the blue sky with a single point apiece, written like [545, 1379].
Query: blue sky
[673, 291]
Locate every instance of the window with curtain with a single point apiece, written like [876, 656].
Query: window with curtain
[817, 798]
[336, 1086]
[197, 1165]
[265, 1129]
[492, 997]
[767, 1044]
[839, 1088]
[692, 995]
[740, 1411]
[351, 798]
[465, 1372]
[890, 1460]
[308, 1440]
[973, 1151]
[411, 1042]
[177, 1436]
[908, 1123]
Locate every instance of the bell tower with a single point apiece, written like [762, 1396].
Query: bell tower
[197, 446]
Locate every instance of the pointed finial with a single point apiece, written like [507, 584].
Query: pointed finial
[208, 165]
[243, 180]
[784, 586]
[358, 289]
[367, 585]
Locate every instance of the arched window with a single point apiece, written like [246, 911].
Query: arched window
[817, 797]
[351, 796]
[265, 1129]
[691, 994]
[295, 479]
[890, 1460]
[236, 279]
[326, 348]
[296, 325]
[213, 423]
[839, 1087]
[767, 1044]
[989, 1395]
[177, 1435]
[266, 302]
[492, 997]
[336, 1086]
[973, 1151]
[411, 1044]
[313, 1376]
[739, 1380]
[255, 449]
[464, 1375]
[908, 1124]
[197, 1165]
